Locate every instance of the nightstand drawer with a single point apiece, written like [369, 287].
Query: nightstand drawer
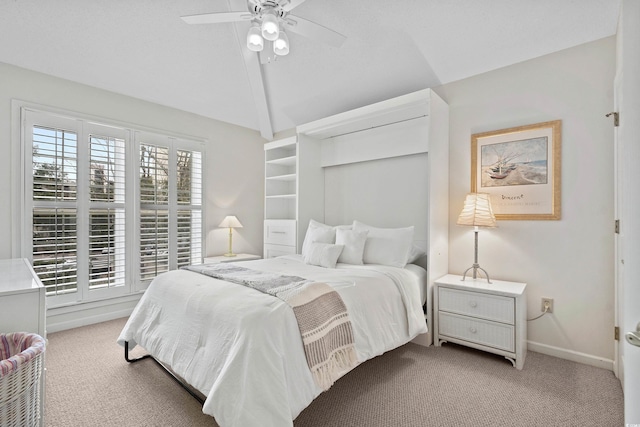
[280, 232]
[480, 305]
[496, 335]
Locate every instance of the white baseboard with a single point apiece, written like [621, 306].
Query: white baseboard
[69, 317]
[574, 356]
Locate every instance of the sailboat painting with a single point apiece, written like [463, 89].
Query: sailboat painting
[520, 169]
[521, 162]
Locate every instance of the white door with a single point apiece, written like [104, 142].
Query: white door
[627, 95]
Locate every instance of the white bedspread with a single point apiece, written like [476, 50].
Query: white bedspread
[242, 348]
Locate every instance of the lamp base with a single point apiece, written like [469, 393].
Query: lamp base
[475, 265]
[230, 254]
[475, 268]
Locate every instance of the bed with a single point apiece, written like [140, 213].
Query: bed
[242, 348]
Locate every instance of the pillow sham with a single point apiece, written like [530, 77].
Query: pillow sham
[323, 254]
[313, 224]
[386, 246]
[353, 242]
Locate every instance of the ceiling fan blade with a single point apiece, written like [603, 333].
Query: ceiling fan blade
[314, 31]
[290, 4]
[215, 18]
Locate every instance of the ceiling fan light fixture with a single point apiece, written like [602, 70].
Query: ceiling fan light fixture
[281, 45]
[255, 42]
[270, 26]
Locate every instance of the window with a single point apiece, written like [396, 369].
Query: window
[104, 213]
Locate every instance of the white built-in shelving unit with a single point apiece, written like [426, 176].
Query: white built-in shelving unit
[411, 126]
[291, 197]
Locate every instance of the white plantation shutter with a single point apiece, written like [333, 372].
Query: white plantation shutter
[105, 213]
[189, 241]
[154, 243]
[54, 231]
[154, 211]
[54, 249]
[170, 188]
[189, 213]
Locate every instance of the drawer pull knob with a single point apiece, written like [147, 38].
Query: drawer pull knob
[473, 304]
[473, 330]
[278, 232]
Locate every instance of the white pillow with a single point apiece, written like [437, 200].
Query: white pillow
[317, 235]
[353, 242]
[323, 254]
[386, 246]
[313, 224]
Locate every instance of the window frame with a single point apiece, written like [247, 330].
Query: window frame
[85, 126]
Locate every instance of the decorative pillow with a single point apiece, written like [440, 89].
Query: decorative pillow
[323, 238]
[386, 246]
[323, 254]
[353, 242]
[317, 235]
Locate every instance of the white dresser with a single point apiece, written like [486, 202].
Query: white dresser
[22, 306]
[482, 315]
[22, 298]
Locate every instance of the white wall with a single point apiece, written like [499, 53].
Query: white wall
[570, 260]
[234, 155]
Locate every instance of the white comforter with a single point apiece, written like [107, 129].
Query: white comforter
[242, 348]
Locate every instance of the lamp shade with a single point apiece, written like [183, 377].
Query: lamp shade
[281, 45]
[477, 211]
[255, 41]
[230, 221]
[270, 26]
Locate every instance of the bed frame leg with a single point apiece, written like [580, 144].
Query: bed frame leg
[168, 372]
[126, 354]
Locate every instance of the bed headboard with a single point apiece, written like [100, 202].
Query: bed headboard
[387, 165]
[390, 192]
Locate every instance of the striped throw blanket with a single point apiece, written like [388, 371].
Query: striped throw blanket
[323, 320]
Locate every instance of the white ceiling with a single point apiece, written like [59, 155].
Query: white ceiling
[143, 49]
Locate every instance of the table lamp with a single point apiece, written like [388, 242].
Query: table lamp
[231, 222]
[477, 212]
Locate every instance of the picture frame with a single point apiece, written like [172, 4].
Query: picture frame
[520, 168]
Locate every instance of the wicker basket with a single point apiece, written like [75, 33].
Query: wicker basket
[21, 358]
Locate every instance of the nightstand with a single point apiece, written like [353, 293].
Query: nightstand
[486, 316]
[222, 258]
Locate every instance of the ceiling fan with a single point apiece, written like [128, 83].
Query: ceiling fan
[269, 20]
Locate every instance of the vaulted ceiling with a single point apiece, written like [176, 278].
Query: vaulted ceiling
[141, 48]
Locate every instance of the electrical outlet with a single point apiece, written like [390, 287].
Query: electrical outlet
[547, 302]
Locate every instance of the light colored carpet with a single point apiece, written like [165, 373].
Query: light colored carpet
[90, 384]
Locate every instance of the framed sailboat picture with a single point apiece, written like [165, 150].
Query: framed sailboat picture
[520, 168]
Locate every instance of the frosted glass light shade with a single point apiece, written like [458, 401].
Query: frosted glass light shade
[270, 27]
[477, 211]
[281, 45]
[230, 221]
[255, 41]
